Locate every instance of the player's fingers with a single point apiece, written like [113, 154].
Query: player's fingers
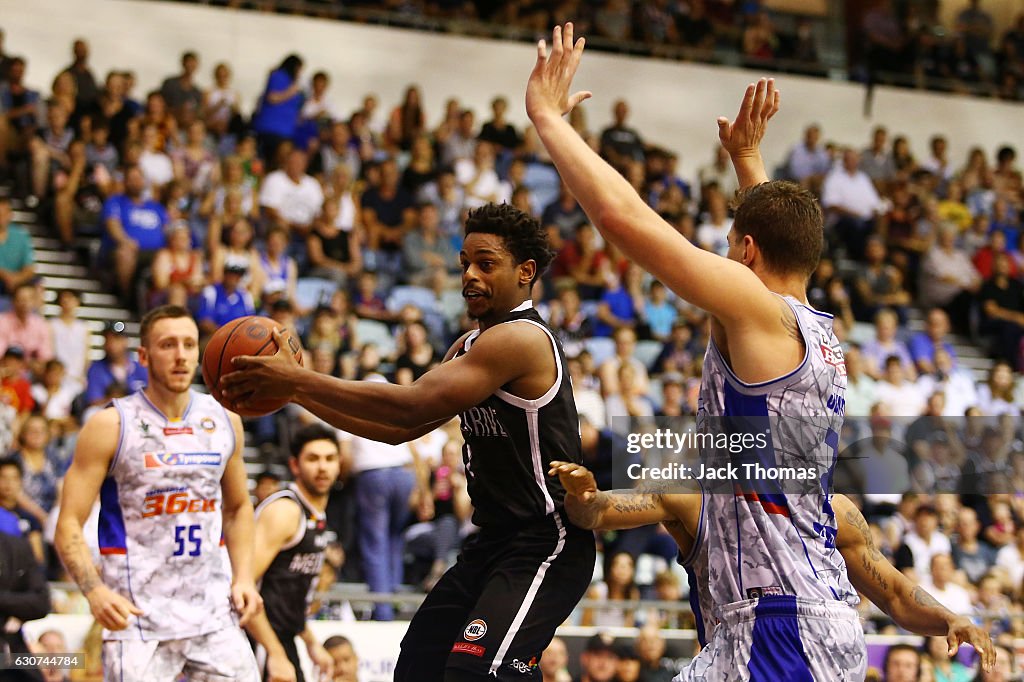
[579, 97]
[281, 337]
[243, 361]
[556, 44]
[775, 105]
[746, 103]
[114, 617]
[953, 642]
[759, 97]
[567, 37]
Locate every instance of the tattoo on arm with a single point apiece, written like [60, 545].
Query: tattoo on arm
[789, 322]
[873, 556]
[78, 561]
[631, 504]
[922, 598]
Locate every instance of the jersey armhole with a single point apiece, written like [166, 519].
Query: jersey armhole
[549, 395]
[120, 438]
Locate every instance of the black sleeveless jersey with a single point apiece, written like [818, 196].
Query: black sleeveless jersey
[289, 581]
[511, 440]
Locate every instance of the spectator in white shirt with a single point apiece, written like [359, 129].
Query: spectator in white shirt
[1011, 558]
[902, 397]
[851, 203]
[995, 396]
[808, 162]
[861, 390]
[938, 165]
[885, 344]
[713, 233]
[156, 166]
[925, 541]
[954, 382]
[941, 586]
[949, 278]
[291, 198]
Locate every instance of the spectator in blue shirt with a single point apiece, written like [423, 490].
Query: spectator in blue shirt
[620, 304]
[228, 300]
[659, 312]
[277, 117]
[116, 366]
[134, 229]
[17, 259]
[923, 344]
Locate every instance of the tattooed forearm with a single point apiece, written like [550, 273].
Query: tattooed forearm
[856, 519]
[631, 504]
[78, 560]
[876, 576]
[922, 598]
[587, 515]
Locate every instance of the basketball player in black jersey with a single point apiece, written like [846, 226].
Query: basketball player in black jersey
[291, 534]
[495, 611]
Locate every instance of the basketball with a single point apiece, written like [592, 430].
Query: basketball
[245, 336]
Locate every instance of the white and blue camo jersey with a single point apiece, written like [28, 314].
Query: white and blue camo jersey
[766, 538]
[161, 519]
[696, 564]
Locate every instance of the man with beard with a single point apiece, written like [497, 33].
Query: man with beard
[291, 535]
[492, 614]
[166, 464]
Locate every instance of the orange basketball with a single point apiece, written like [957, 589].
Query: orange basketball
[244, 336]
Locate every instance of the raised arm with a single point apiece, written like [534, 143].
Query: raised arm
[728, 290]
[596, 509]
[95, 449]
[910, 606]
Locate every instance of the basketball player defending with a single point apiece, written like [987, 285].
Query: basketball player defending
[166, 464]
[685, 518]
[779, 582]
[493, 613]
[291, 535]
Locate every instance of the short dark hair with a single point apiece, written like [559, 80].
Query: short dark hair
[523, 234]
[335, 641]
[12, 462]
[160, 313]
[785, 221]
[308, 434]
[896, 648]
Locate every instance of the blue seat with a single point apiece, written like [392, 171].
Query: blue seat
[312, 291]
[647, 352]
[601, 348]
[377, 333]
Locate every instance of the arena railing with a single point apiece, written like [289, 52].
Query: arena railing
[357, 595]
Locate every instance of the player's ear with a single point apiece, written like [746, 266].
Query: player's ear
[143, 356]
[750, 250]
[527, 271]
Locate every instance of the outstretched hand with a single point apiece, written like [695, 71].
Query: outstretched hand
[576, 479]
[275, 375]
[548, 88]
[963, 631]
[742, 137]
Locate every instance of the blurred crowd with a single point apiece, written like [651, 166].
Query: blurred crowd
[344, 226]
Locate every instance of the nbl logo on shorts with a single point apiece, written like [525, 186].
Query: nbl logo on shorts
[475, 630]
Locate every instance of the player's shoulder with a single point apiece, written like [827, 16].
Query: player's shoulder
[280, 513]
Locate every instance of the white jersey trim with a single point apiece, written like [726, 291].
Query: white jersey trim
[300, 531]
[531, 594]
[532, 419]
[540, 402]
